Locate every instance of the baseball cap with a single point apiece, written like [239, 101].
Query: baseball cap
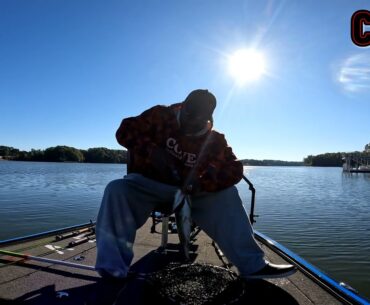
[200, 102]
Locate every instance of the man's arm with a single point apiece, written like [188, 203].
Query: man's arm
[141, 136]
[138, 133]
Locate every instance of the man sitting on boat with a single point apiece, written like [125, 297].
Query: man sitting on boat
[175, 147]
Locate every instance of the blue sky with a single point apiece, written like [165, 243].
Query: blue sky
[70, 70]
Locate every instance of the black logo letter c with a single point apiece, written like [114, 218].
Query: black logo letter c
[358, 35]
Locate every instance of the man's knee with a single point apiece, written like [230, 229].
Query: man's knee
[115, 187]
[230, 193]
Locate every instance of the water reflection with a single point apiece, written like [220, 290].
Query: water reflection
[365, 176]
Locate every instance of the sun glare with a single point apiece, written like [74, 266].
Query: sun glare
[246, 65]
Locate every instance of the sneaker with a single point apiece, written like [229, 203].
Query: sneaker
[272, 271]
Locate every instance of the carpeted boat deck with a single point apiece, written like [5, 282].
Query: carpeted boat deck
[31, 282]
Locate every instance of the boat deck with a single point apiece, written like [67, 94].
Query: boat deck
[32, 282]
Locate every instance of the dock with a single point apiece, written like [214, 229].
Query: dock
[356, 164]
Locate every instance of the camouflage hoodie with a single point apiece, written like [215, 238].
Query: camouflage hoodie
[206, 158]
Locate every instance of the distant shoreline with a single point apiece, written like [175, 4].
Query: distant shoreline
[63, 153]
[244, 162]
[252, 162]
[262, 164]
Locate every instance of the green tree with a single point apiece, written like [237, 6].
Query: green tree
[7, 151]
[308, 160]
[105, 155]
[327, 159]
[63, 154]
[35, 155]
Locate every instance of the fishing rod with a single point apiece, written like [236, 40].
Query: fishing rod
[74, 233]
[85, 238]
[47, 260]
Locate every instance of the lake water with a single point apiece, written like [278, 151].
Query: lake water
[321, 214]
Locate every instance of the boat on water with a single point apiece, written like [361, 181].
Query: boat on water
[364, 168]
[359, 169]
[57, 267]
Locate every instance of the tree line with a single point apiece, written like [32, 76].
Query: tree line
[105, 155]
[98, 155]
[333, 159]
[253, 162]
[65, 154]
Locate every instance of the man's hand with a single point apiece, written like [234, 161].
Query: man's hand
[192, 188]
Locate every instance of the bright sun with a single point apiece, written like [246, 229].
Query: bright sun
[246, 65]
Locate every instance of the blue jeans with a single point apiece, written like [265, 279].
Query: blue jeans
[127, 204]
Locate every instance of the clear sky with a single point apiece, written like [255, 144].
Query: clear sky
[70, 70]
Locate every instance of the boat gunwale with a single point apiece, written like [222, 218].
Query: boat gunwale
[326, 282]
[27, 238]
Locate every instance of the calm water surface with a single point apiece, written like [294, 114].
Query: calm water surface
[320, 213]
